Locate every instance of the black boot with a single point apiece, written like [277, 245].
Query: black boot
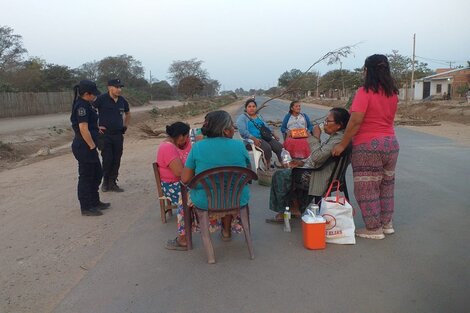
[91, 212]
[114, 187]
[105, 185]
[102, 205]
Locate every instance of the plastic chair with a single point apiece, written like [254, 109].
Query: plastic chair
[339, 171]
[258, 154]
[223, 187]
[165, 204]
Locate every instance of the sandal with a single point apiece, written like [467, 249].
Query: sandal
[173, 244]
[278, 219]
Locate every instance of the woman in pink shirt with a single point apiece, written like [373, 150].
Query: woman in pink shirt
[375, 147]
[171, 156]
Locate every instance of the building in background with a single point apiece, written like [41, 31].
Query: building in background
[442, 84]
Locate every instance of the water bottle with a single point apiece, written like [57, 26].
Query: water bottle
[322, 127]
[314, 208]
[192, 136]
[286, 158]
[287, 220]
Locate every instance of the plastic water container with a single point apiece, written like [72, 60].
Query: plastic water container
[313, 231]
[285, 156]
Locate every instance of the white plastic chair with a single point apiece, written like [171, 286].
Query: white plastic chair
[258, 155]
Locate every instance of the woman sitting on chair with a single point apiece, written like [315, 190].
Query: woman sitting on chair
[296, 128]
[281, 193]
[249, 124]
[217, 149]
[171, 156]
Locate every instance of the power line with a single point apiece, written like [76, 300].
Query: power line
[443, 62]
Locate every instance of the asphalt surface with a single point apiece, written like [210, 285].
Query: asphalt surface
[423, 267]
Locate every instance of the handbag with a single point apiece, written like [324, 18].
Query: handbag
[297, 133]
[265, 132]
[338, 214]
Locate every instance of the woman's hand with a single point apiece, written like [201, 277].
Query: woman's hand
[275, 137]
[316, 131]
[256, 141]
[338, 149]
[296, 163]
[288, 134]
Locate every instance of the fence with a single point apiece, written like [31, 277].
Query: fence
[34, 103]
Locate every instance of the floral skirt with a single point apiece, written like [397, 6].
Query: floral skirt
[173, 191]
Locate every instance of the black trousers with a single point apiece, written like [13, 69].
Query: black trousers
[89, 174]
[111, 146]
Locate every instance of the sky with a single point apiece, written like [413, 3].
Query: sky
[243, 43]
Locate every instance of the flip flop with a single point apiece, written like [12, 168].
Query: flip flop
[274, 220]
[173, 244]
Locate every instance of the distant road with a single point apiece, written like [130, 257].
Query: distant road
[23, 123]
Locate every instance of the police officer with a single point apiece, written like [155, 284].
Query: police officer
[85, 125]
[114, 118]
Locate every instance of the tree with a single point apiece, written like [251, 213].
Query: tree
[190, 86]
[28, 77]
[57, 78]
[161, 90]
[211, 88]
[89, 70]
[400, 67]
[335, 79]
[11, 49]
[288, 77]
[124, 66]
[179, 70]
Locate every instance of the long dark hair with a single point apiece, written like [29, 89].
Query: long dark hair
[378, 76]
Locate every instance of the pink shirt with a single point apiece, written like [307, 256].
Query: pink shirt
[379, 115]
[167, 152]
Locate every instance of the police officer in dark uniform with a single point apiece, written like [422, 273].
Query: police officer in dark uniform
[85, 125]
[114, 118]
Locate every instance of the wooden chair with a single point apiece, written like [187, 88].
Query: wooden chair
[165, 204]
[223, 187]
[339, 171]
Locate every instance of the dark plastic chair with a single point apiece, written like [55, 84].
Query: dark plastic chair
[166, 207]
[223, 187]
[339, 171]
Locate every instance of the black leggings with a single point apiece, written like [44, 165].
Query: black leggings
[270, 147]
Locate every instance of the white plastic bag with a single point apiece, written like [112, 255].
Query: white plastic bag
[338, 214]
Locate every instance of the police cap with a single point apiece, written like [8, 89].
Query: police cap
[88, 86]
[115, 82]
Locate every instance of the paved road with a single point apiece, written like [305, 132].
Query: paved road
[421, 268]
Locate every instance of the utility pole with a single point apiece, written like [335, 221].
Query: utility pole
[342, 77]
[450, 64]
[150, 78]
[318, 83]
[413, 70]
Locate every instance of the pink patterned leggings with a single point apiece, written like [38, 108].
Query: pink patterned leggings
[373, 166]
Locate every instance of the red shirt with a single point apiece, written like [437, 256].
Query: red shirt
[379, 115]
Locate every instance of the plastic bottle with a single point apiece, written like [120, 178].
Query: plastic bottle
[314, 208]
[322, 127]
[287, 227]
[192, 136]
[285, 156]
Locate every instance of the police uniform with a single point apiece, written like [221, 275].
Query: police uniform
[89, 167]
[111, 140]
